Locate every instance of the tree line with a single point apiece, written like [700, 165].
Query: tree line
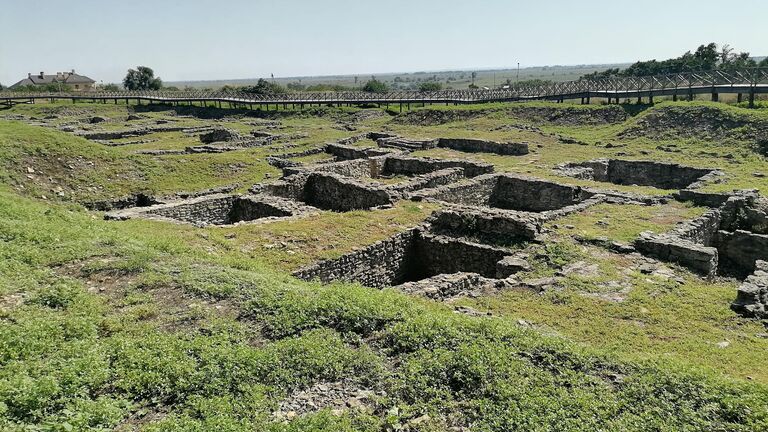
[706, 58]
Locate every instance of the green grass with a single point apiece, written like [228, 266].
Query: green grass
[145, 325]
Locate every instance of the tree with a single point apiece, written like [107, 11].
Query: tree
[263, 87]
[430, 86]
[474, 75]
[375, 86]
[142, 78]
[110, 87]
[763, 63]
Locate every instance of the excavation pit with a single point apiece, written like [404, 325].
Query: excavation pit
[411, 256]
[510, 192]
[217, 209]
[728, 240]
[639, 173]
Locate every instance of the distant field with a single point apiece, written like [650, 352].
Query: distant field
[459, 79]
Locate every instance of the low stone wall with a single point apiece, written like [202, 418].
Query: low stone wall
[531, 194]
[447, 286]
[509, 192]
[476, 192]
[208, 210]
[345, 152]
[382, 264]
[360, 168]
[429, 180]
[401, 143]
[752, 296]
[440, 254]
[219, 209]
[739, 251]
[650, 173]
[109, 135]
[484, 146]
[334, 192]
[136, 200]
[697, 257]
[702, 229]
[281, 163]
[291, 187]
[715, 241]
[218, 135]
[493, 224]
[414, 166]
[705, 199]
[638, 172]
[407, 257]
[302, 153]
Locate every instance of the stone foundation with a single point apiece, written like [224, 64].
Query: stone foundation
[219, 209]
[334, 192]
[472, 145]
[509, 192]
[728, 240]
[491, 225]
[641, 173]
[752, 296]
[408, 257]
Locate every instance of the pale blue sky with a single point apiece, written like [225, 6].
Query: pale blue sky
[227, 39]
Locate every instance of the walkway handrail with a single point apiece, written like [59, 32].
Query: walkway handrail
[750, 77]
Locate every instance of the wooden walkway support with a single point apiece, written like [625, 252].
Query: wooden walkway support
[750, 81]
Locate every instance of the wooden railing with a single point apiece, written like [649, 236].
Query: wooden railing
[746, 81]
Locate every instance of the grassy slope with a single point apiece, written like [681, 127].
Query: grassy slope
[160, 326]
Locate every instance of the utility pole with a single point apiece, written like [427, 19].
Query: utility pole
[517, 79]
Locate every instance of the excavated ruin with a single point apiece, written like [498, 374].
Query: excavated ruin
[727, 240]
[514, 192]
[639, 172]
[413, 256]
[218, 209]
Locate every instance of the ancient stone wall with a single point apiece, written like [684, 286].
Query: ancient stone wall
[699, 258]
[136, 200]
[701, 229]
[361, 168]
[409, 256]
[437, 254]
[429, 180]
[214, 211]
[219, 209]
[477, 145]
[108, 135]
[218, 135]
[379, 265]
[638, 172]
[650, 173]
[492, 224]
[291, 187]
[333, 192]
[739, 250]
[705, 199]
[530, 194]
[345, 152]
[476, 192]
[752, 296]
[414, 166]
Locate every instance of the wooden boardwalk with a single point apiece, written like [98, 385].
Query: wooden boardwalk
[744, 83]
